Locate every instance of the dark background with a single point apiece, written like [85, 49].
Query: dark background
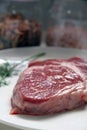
[49, 12]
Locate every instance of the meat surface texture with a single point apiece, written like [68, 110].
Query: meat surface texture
[50, 86]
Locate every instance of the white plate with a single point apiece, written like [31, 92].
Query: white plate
[74, 120]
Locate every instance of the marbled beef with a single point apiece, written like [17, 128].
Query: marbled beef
[50, 86]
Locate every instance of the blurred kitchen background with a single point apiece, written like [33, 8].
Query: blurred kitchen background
[48, 11]
[52, 16]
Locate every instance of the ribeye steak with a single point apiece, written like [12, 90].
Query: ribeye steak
[50, 86]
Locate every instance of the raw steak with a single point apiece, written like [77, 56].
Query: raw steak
[50, 86]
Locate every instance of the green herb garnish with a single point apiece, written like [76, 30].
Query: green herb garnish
[6, 70]
[2, 81]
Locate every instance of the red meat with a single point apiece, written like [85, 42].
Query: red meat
[50, 86]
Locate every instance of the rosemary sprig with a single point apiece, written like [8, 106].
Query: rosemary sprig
[6, 70]
[31, 58]
[2, 81]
